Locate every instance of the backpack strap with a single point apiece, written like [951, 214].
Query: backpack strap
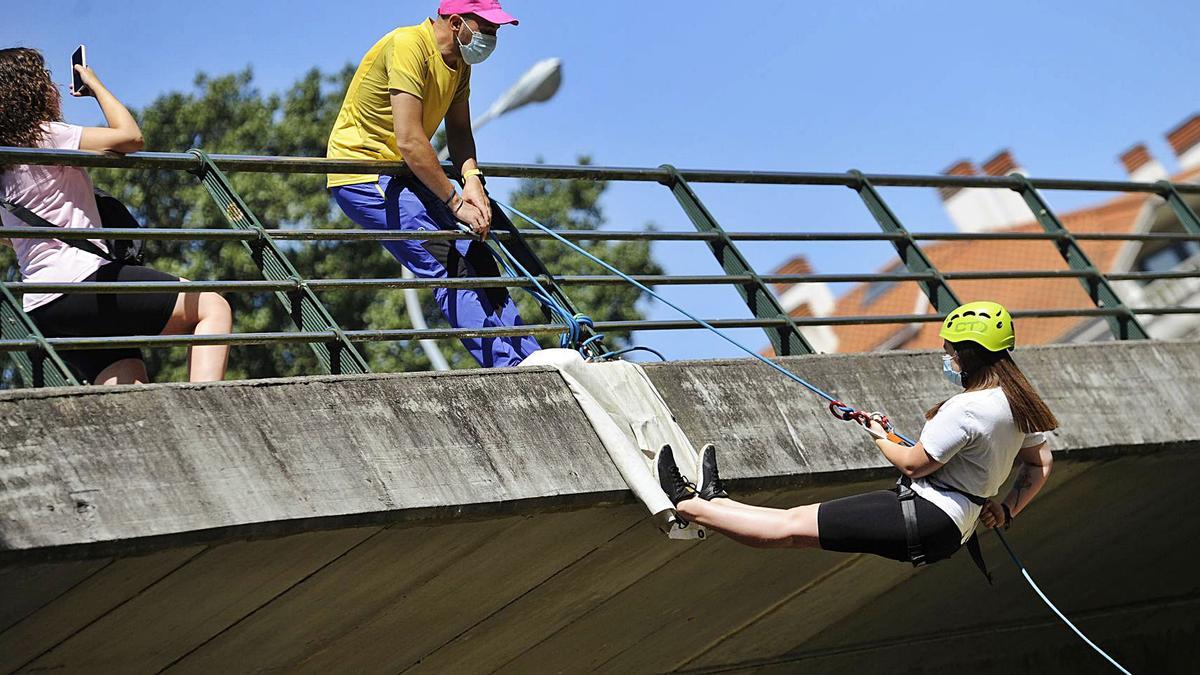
[34, 220]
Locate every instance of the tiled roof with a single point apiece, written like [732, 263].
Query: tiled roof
[1117, 215]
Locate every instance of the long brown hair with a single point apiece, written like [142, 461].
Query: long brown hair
[28, 97]
[983, 369]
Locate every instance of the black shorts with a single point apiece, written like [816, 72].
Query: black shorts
[872, 522]
[104, 315]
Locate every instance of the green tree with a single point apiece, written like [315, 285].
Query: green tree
[228, 114]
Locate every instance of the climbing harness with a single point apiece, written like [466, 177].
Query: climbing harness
[916, 552]
[912, 536]
[836, 407]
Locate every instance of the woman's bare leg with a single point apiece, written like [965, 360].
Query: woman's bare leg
[202, 314]
[125, 371]
[756, 526]
[741, 505]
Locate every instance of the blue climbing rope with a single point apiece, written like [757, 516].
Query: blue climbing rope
[572, 336]
[1036, 589]
[838, 408]
[575, 323]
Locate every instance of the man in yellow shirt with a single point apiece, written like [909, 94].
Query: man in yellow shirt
[409, 82]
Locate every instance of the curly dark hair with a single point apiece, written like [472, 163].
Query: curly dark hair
[29, 98]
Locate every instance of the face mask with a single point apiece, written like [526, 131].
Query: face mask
[948, 371]
[478, 49]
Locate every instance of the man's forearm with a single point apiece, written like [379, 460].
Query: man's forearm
[423, 162]
[462, 149]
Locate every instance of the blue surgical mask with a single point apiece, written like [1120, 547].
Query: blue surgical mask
[948, 371]
[478, 49]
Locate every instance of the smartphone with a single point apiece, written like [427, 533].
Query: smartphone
[79, 58]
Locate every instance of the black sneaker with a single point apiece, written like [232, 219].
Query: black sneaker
[711, 486]
[672, 482]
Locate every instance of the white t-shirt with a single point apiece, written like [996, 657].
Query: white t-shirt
[975, 436]
[63, 196]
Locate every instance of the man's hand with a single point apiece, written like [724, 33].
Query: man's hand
[466, 213]
[474, 195]
[992, 515]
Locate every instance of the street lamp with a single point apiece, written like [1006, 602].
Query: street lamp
[537, 85]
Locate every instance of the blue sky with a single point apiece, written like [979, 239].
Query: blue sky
[886, 87]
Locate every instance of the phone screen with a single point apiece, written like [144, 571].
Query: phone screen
[79, 58]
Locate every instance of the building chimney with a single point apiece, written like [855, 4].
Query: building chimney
[1001, 164]
[1141, 165]
[1009, 207]
[808, 299]
[1185, 141]
[970, 209]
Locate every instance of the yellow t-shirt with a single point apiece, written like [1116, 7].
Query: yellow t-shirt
[406, 59]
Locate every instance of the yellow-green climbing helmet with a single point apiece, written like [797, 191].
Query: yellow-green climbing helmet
[985, 323]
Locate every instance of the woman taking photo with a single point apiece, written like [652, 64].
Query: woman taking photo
[31, 116]
[966, 450]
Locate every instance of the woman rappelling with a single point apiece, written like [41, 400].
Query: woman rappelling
[966, 450]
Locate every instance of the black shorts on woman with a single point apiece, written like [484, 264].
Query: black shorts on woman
[106, 315]
[873, 522]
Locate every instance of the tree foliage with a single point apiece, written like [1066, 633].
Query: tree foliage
[228, 114]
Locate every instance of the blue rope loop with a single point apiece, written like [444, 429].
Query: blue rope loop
[574, 324]
[842, 411]
[838, 408]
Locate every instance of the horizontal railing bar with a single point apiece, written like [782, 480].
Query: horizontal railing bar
[317, 165]
[260, 286]
[574, 235]
[539, 329]
[197, 234]
[203, 234]
[145, 233]
[361, 335]
[1151, 276]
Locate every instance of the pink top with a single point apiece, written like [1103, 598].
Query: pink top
[62, 195]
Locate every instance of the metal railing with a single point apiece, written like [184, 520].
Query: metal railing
[39, 364]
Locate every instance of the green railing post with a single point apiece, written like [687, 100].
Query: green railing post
[300, 303]
[936, 289]
[42, 367]
[786, 339]
[1187, 217]
[1124, 325]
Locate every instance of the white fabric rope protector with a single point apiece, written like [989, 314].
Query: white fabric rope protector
[633, 422]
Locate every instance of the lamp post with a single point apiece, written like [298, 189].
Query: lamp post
[537, 85]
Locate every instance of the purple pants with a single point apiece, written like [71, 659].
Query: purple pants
[400, 204]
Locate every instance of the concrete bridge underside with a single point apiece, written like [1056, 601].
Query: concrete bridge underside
[473, 523]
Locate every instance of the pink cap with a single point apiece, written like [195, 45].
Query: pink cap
[486, 9]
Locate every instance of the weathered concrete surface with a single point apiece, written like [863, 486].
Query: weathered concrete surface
[471, 522]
